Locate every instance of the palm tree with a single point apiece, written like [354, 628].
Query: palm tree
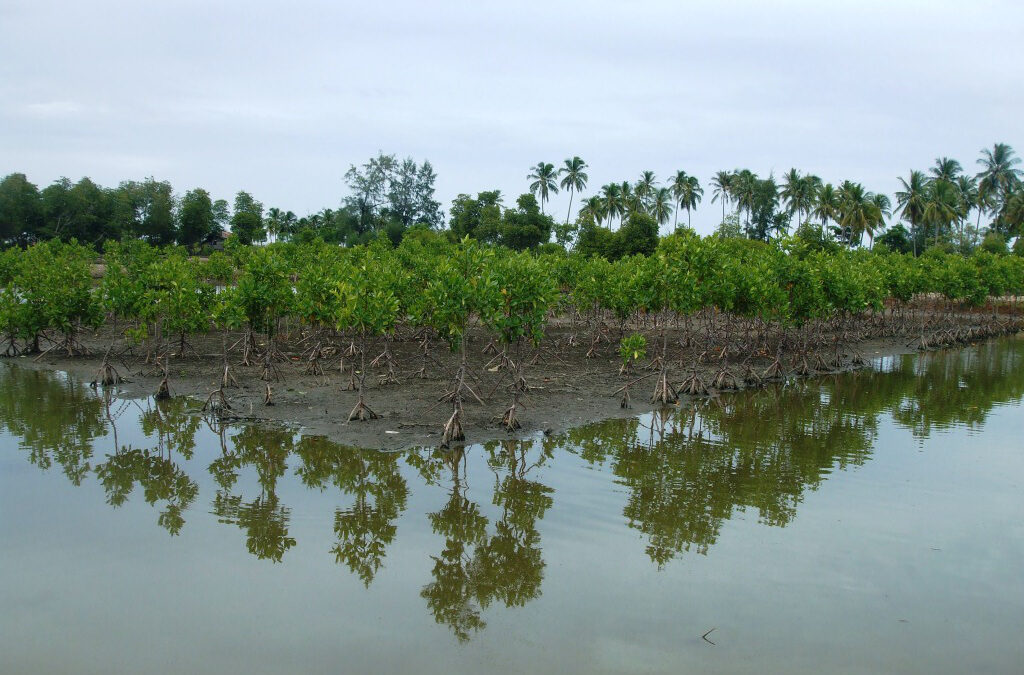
[942, 206]
[611, 197]
[826, 204]
[595, 207]
[645, 187]
[799, 193]
[543, 184]
[857, 212]
[722, 189]
[884, 207]
[574, 179]
[912, 200]
[946, 169]
[691, 196]
[998, 177]
[744, 190]
[631, 202]
[967, 187]
[661, 205]
[998, 174]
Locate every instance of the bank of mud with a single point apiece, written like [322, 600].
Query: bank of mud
[567, 387]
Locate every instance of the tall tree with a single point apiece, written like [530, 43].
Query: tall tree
[721, 185]
[611, 197]
[661, 205]
[645, 188]
[544, 184]
[574, 179]
[21, 209]
[247, 222]
[196, 222]
[998, 177]
[912, 201]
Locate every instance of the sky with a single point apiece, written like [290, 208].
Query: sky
[279, 99]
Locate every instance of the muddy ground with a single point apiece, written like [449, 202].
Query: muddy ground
[567, 389]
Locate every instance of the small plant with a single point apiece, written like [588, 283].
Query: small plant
[632, 349]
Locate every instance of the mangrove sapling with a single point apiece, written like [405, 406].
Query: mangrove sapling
[368, 307]
[54, 283]
[516, 294]
[453, 294]
[632, 349]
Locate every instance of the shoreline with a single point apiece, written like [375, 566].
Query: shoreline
[567, 389]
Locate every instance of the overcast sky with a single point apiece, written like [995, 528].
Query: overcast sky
[280, 98]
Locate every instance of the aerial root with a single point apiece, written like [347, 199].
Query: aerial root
[774, 371]
[453, 428]
[362, 413]
[694, 385]
[725, 381]
[509, 419]
[664, 392]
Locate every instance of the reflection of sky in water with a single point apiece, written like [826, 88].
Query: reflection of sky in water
[581, 553]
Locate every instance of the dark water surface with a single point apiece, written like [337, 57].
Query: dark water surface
[871, 522]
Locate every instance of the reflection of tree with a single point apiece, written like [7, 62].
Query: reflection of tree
[474, 569]
[56, 419]
[158, 476]
[264, 519]
[689, 471]
[366, 528]
[154, 470]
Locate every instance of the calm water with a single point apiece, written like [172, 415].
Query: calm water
[865, 523]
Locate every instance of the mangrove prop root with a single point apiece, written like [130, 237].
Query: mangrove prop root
[509, 419]
[664, 392]
[268, 395]
[693, 385]
[362, 413]
[725, 381]
[453, 428]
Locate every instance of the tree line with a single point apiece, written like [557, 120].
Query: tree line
[387, 196]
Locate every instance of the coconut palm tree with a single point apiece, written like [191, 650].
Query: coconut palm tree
[721, 185]
[595, 208]
[998, 175]
[744, 191]
[691, 196]
[611, 197]
[858, 212]
[661, 205]
[799, 193]
[574, 179]
[884, 207]
[998, 178]
[826, 204]
[543, 185]
[912, 200]
[967, 188]
[946, 169]
[942, 206]
[645, 187]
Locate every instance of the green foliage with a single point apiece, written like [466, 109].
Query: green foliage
[265, 288]
[54, 282]
[632, 348]
[521, 290]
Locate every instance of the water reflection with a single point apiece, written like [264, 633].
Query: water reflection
[685, 471]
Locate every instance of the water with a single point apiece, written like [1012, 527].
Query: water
[862, 523]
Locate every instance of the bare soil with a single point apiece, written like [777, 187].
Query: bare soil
[566, 388]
